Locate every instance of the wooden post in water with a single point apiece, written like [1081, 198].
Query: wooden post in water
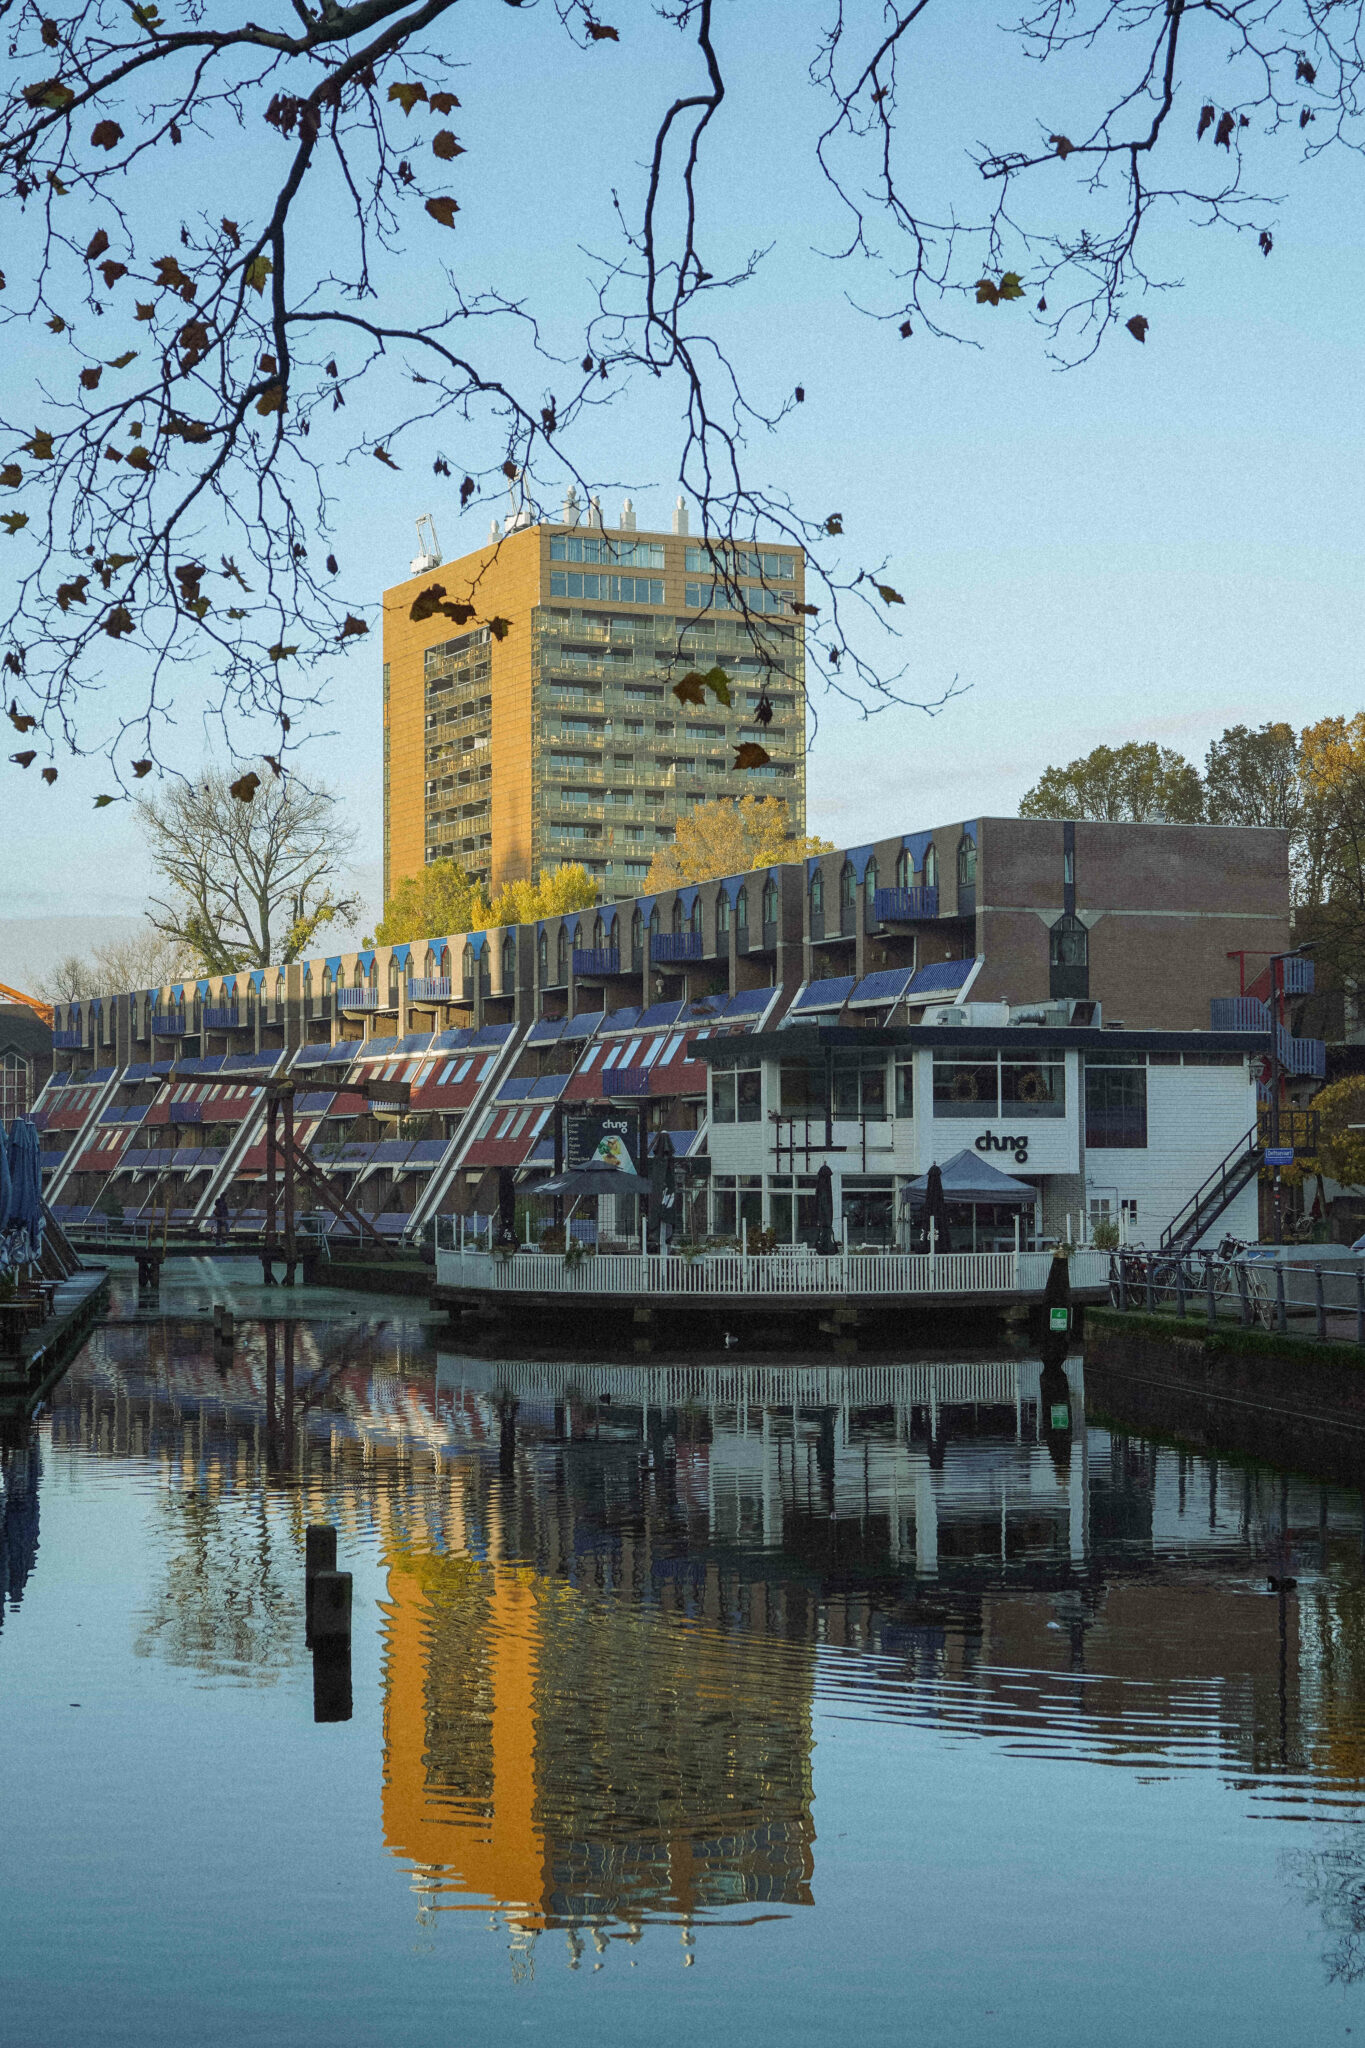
[319, 1555]
[331, 1607]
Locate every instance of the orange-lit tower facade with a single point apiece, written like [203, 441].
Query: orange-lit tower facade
[544, 728]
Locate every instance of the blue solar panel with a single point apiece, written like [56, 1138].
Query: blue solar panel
[939, 975]
[238, 1062]
[493, 1034]
[622, 1020]
[519, 1087]
[750, 1002]
[380, 1048]
[549, 1085]
[545, 1031]
[883, 987]
[316, 1103]
[658, 1015]
[583, 1027]
[452, 1041]
[825, 995]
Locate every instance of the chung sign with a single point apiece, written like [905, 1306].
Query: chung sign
[989, 1142]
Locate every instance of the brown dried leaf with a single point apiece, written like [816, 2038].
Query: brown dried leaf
[381, 455]
[407, 94]
[27, 759]
[90, 379]
[352, 627]
[141, 768]
[111, 272]
[106, 135]
[246, 786]
[97, 245]
[118, 621]
[1137, 326]
[751, 755]
[443, 103]
[691, 689]
[445, 146]
[443, 210]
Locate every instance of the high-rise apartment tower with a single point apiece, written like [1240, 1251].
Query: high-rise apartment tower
[545, 729]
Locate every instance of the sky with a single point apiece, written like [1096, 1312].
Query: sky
[1155, 545]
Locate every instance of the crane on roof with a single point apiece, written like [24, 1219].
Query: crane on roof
[16, 995]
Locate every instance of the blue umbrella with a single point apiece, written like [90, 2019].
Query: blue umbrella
[26, 1183]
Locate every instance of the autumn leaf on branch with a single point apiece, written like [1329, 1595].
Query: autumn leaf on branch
[499, 628]
[106, 135]
[49, 776]
[1137, 326]
[750, 755]
[445, 146]
[102, 802]
[601, 33]
[25, 760]
[141, 768]
[13, 521]
[279, 652]
[407, 95]
[118, 622]
[246, 786]
[887, 594]
[352, 627]
[1207, 115]
[382, 455]
[1062, 144]
[443, 210]
[690, 689]
[443, 102]
[20, 720]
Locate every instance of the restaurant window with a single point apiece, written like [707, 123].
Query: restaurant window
[1115, 1106]
[737, 1095]
[870, 888]
[904, 871]
[966, 1088]
[1032, 1088]
[859, 1086]
[736, 1201]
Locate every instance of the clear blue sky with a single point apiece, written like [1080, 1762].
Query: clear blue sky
[1156, 545]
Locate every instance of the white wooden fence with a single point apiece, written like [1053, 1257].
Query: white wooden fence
[728, 1274]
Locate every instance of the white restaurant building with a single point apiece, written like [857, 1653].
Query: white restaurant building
[1101, 1123]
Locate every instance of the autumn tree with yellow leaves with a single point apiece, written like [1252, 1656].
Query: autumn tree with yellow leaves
[730, 836]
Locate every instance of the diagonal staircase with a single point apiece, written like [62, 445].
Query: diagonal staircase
[1231, 1175]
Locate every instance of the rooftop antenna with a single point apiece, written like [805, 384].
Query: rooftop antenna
[428, 554]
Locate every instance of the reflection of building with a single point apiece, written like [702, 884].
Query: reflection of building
[19, 1470]
[574, 1760]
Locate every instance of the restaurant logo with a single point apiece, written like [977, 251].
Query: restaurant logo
[989, 1142]
[595, 1140]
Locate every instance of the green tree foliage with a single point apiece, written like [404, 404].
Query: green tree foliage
[442, 899]
[1341, 1144]
[730, 837]
[1139, 781]
[1252, 778]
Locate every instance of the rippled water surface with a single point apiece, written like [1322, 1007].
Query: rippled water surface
[756, 1703]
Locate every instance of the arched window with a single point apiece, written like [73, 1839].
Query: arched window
[742, 909]
[599, 935]
[677, 915]
[1068, 959]
[966, 862]
[722, 914]
[848, 896]
[279, 997]
[357, 976]
[870, 890]
[817, 892]
[326, 981]
[307, 990]
[770, 901]
[931, 866]
[543, 956]
[433, 964]
[694, 915]
[509, 963]
[637, 932]
[903, 868]
[393, 979]
[467, 963]
[654, 922]
[562, 955]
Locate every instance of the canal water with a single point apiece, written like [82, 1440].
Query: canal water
[733, 1702]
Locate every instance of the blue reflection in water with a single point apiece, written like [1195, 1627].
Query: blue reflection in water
[873, 1698]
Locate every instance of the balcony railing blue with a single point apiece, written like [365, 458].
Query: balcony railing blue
[666, 946]
[432, 989]
[596, 960]
[900, 906]
[168, 1023]
[626, 1081]
[224, 1019]
[68, 1041]
[1238, 1013]
[357, 998]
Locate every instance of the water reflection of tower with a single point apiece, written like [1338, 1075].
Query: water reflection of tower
[20, 1468]
[569, 1752]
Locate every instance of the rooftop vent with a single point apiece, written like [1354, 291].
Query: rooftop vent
[680, 515]
[627, 517]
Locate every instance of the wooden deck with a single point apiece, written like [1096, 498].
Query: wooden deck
[46, 1352]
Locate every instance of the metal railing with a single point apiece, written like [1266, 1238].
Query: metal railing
[666, 946]
[168, 1023]
[792, 1271]
[898, 906]
[596, 960]
[68, 1041]
[626, 1081]
[429, 989]
[1253, 1284]
[225, 1019]
[357, 998]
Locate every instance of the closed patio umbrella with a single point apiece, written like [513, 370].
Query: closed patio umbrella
[663, 1189]
[936, 1204]
[25, 1210]
[824, 1212]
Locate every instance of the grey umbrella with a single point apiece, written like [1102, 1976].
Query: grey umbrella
[585, 1182]
[824, 1212]
[937, 1208]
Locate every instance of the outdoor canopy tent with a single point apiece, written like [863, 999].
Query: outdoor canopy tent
[967, 1178]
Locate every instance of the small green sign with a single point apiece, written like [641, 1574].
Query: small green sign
[1061, 1415]
[1059, 1319]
